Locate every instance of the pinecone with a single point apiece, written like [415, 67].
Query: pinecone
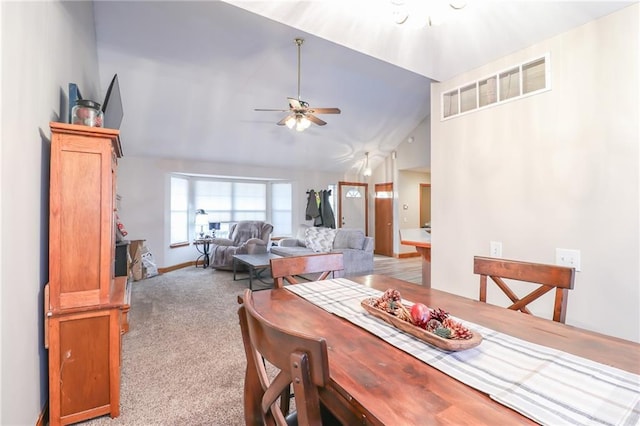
[458, 331]
[439, 314]
[443, 332]
[389, 302]
[392, 294]
[433, 325]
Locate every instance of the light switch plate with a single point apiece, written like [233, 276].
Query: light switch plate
[568, 257]
[495, 249]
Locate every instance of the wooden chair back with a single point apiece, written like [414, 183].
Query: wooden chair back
[549, 277]
[289, 268]
[302, 361]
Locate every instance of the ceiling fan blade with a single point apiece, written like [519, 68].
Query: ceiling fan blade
[312, 118]
[324, 110]
[268, 109]
[294, 103]
[283, 121]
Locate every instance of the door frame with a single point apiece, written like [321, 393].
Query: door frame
[366, 203]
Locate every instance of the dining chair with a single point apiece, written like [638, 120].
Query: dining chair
[289, 269]
[302, 363]
[549, 277]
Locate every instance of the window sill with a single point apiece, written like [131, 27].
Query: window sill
[176, 245]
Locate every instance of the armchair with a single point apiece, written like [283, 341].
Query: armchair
[245, 237]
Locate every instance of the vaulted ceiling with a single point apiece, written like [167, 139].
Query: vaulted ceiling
[192, 73]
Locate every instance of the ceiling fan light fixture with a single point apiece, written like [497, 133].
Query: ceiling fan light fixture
[302, 123]
[457, 4]
[435, 20]
[419, 13]
[290, 122]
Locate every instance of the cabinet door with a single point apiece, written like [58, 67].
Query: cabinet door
[84, 366]
[81, 243]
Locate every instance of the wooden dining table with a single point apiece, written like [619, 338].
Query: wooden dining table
[373, 382]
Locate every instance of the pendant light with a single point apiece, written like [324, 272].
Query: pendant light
[367, 169]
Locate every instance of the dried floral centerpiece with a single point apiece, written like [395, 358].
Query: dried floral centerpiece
[434, 326]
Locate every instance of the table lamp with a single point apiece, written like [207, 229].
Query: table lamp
[202, 220]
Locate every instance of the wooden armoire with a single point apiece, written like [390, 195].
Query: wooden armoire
[85, 303]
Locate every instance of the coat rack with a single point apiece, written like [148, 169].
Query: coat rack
[317, 192]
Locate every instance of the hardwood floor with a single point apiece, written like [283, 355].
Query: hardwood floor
[408, 269]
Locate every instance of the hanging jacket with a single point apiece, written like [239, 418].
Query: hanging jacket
[326, 212]
[312, 211]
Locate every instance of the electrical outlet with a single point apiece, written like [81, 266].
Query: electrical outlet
[495, 249]
[568, 257]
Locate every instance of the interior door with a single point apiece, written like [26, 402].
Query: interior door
[384, 219]
[353, 210]
[425, 205]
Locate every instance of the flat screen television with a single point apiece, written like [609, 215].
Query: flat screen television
[74, 95]
[112, 105]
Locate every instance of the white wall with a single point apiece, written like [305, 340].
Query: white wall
[45, 45]
[414, 151]
[144, 185]
[557, 169]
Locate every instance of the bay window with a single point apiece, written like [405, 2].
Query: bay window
[228, 201]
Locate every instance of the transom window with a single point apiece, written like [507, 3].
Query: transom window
[353, 193]
[518, 81]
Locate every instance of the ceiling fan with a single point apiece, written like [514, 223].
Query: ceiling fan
[301, 115]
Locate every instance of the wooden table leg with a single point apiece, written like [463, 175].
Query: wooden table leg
[425, 253]
[235, 264]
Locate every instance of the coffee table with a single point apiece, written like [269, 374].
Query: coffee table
[257, 264]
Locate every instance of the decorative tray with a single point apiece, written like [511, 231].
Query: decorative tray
[420, 333]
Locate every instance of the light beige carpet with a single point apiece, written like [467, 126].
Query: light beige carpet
[182, 361]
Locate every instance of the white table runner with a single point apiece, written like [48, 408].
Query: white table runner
[549, 386]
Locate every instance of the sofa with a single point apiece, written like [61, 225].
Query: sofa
[245, 237]
[357, 249]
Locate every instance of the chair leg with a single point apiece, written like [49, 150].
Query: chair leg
[483, 288]
[285, 400]
[252, 394]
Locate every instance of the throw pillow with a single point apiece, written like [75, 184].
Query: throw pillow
[301, 235]
[320, 240]
[349, 239]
